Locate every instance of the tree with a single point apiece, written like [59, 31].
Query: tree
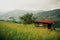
[27, 18]
[12, 19]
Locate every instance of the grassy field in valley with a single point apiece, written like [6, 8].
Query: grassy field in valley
[14, 31]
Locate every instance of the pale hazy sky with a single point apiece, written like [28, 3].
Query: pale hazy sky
[9, 5]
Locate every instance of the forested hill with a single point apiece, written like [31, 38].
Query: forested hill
[52, 14]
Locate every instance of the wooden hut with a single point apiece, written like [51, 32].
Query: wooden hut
[44, 23]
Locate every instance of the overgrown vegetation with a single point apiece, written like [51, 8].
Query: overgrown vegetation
[12, 19]
[13, 31]
[27, 18]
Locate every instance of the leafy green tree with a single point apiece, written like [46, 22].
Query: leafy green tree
[12, 19]
[27, 18]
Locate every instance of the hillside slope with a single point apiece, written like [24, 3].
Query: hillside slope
[52, 14]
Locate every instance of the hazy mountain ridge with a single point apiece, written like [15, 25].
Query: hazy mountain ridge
[52, 14]
[15, 14]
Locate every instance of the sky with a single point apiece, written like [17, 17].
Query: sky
[9, 5]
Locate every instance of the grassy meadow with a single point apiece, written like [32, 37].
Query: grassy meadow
[14, 31]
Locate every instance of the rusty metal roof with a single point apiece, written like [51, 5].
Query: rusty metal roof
[44, 21]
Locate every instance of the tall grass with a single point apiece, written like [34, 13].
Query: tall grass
[13, 31]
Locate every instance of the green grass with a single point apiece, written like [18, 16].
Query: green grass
[14, 31]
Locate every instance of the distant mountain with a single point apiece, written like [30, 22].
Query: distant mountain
[1, 13]
[52, 14]
[16, 14]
